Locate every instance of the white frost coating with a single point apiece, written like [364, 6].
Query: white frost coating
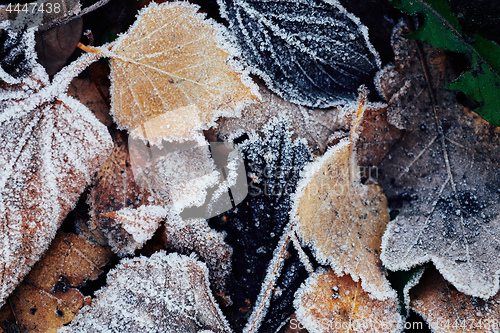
[195, 235]
[51, 145]
[163, 293]
[291, 39]
[222, 38]
[138, 224]
[410, 284]
[27, 45]
[355, 312]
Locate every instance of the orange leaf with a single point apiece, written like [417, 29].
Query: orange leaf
[328, 303]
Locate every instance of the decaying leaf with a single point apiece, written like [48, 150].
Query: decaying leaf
[447, 310]
[166, 293]
[328, 303]
[273, 161]
[321, 128]
[51, 147]
[443, 177]
[171, 59]
[340, 218]
[312, 53]
[48, 297]
[194, 235]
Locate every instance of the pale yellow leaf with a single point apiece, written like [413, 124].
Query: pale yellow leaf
[171, 59]
[342, 219]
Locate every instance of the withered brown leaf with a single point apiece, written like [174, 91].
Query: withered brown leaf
[447, 310]
[342, 219]
[48, 297]
[166, 293]
[51, 145]
[329, 303]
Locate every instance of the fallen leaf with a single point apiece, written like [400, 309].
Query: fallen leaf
[273, 161]
[442, 177]
[340, 218]
[51, 147]
[160, 293]
[311, 53]
[130, 228]
[321, 128]
[48, 297]
[56, 45]
[329, 303]
[447, 310]
[170, 59]
[93, 92]
[195, 236]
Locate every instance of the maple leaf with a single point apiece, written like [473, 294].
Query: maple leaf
[329, 303]
[51, 147]
[164, 292]
[443, 177]
[446, 310]
[48, 297]
[312, 53]
[171, 60]
[340, 218]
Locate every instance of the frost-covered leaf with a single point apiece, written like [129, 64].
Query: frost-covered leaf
[273, 163]
[171, 59]
[165, 293]
[328, 303]
[311, 53]
[447, 310]
[51, 145]
[440, 27]
[443, 177]
[130, 228]
[321, 128]
[194, 235]
[340, 218]
[48, 297]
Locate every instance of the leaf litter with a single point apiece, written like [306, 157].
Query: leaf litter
[442, 177]
[51, 145]
[447, 310]
[49, 296]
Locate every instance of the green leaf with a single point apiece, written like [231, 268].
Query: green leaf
[441, 28]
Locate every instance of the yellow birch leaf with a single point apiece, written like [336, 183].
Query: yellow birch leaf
[328, 303]
[171, 59]
[342, 219]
